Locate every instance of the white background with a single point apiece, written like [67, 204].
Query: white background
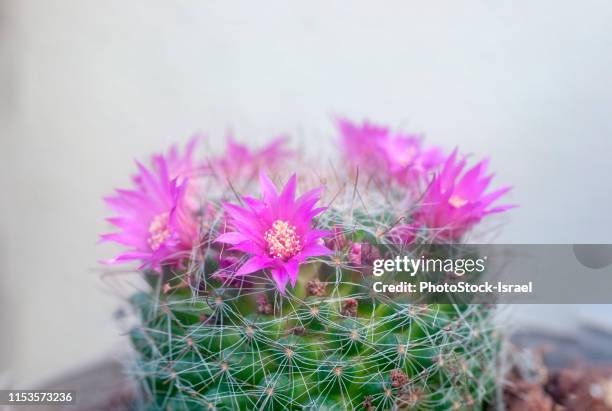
[88, 85]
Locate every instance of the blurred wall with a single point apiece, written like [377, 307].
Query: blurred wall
[89, 85]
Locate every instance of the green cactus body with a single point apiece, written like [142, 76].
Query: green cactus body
[343, 349]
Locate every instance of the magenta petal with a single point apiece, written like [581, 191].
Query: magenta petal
[314, 212]
[129, 256]
[126, 239]
[150, 184]
[253, 203]
[238, 213]
[162, 169]
[292, 267]
[314, 250]
[247, 247]
[313, 235]
[231, 238]
[309, 199]
[501, 208]
[288, 195]
[268, 189]
[491, 197]
[280, 277]
[473, 174]
[191, 144]
[255, 263]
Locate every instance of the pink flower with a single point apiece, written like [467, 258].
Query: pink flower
[402, 157]
[276, 231]
[362, 143]
[179, 165]
[241, 163]
[406, 159]
[455, 202]
[154, 220]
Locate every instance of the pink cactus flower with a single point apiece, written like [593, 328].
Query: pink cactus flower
[402, 157]
[241, 163]
[407, 160]
[182, 166]
[179, 165]
[454, 202]
[361, 144]
[276, 231]
[154, 219]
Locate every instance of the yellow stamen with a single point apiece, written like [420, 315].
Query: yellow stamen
[158, 231]
[282, 240]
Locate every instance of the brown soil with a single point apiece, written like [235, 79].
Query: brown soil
[533, 385]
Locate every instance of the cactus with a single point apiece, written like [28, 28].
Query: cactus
[208, 337]
[222, 350]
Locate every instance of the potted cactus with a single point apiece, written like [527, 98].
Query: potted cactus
[258, 294]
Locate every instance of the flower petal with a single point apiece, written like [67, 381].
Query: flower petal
[232, 238]
[253, 264]
[292, 267]
[268, 190]
[287, 197]
[315, 250]
[279, 275]
[248, 247]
